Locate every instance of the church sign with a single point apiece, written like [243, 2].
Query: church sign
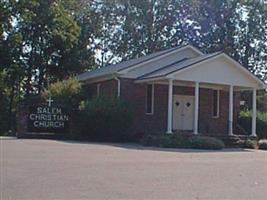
[42, 118]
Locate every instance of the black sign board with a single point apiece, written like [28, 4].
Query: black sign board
[48, 119]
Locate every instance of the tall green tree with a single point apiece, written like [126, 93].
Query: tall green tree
[135, 28]
[86, 14]
[253, 40]
[48, 33]
[11, 73]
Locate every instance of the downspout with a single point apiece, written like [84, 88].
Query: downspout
[118, 85]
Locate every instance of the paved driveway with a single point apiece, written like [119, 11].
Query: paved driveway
[46, 169]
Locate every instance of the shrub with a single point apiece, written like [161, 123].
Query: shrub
[107, 119]
[262, 144]
[245, 121]
[166, 141]
[67, 92]
[205, 142]
[249, 144]
[180, 141]
[150, 140]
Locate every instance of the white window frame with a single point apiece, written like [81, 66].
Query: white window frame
[218, 104]
[152, 100]
[98, 89]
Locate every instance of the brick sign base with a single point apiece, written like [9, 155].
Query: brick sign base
[43, 120]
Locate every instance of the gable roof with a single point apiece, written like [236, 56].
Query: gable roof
[116, 68]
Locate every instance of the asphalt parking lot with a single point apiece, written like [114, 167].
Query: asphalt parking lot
[49, 169]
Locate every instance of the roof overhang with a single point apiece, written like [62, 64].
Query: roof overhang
[98, 79]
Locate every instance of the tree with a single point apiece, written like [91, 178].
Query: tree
[4, 104]
[48, 33]
[66, 92]
[253, 40]
[11, 73]
[135, 28]
[216, 21]
[82, 56]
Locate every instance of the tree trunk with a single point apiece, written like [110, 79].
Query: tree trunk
[40, 81]
[10, 107]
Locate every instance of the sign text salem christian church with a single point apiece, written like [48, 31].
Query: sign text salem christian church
[48, 119]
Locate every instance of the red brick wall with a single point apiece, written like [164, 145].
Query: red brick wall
[237, 98]
[136, 94]
[208, 124]
[89, 90]
[107, 88]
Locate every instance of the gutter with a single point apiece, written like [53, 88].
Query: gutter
[118, 85]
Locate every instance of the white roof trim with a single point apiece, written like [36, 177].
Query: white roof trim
[124, 71]
[171, 75]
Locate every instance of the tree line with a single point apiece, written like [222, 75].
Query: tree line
[43, 41]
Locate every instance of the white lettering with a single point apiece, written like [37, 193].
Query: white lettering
[32, 116]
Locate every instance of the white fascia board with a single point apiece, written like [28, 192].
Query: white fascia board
[122, 72]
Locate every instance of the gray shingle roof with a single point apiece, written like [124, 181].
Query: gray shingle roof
[111, 69]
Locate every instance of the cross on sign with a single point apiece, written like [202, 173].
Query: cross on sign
[49, 101]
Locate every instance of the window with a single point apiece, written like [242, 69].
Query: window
[215, 103]
[150, 99]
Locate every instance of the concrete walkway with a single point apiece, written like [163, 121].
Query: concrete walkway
[47, 169]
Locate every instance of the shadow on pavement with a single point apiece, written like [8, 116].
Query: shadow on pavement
[136, 146]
